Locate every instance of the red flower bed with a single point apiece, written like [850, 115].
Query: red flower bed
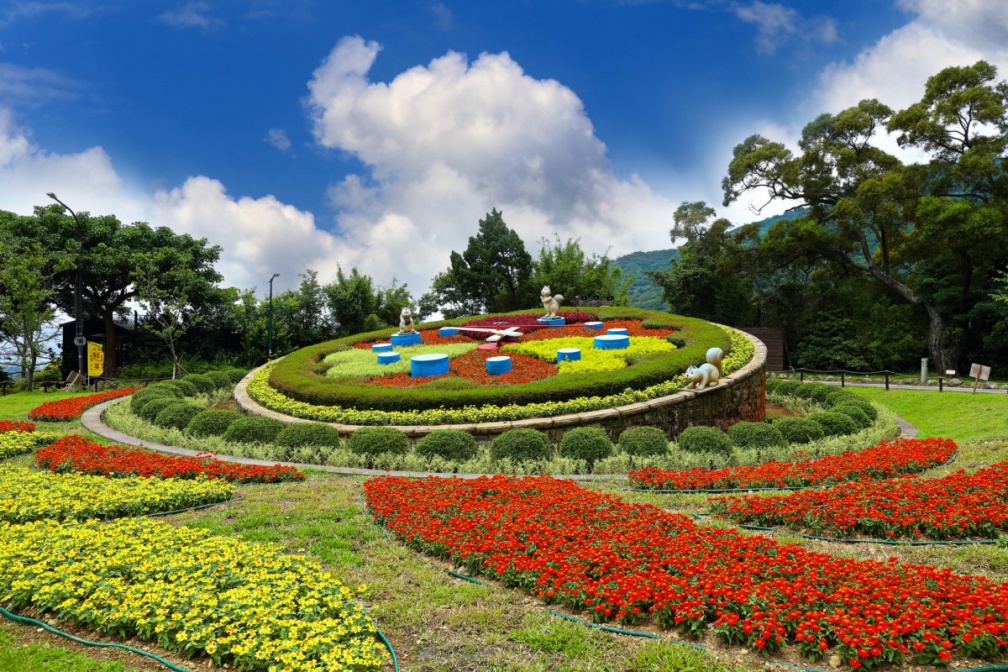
[888, 458]
[628, 561]
[633, 328]
[472, 366]
[957, 506]
[428, 336]
[528, 322]
[73, 407]
[77, 454]
[14, 426]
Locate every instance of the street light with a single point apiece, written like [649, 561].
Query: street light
[269, 344]
[78, 303]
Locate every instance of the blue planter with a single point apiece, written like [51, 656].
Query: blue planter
[388, 357]
[554, 322]
[422, 366]
[381, 347]
[612, 342]
[448, 331]
[592, 325]
[498, 365]
[568, 354]
[618, 330]
[406, 340]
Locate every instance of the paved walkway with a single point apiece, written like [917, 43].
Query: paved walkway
[92, 421]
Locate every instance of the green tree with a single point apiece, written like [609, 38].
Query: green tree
[566, 269]
[107, 253]
[493, 274]
[931, 233]
[26, 295]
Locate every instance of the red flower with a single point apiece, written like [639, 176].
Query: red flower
[14, 426]
[74, 407]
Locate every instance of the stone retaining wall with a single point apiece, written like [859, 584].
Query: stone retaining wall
[740, 396]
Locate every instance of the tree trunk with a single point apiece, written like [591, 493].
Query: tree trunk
[110, 343]
[945, 356]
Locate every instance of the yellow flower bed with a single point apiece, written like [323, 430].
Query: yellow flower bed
[245, 604]
[742, 351]
[592, 360]
[27, 495]
[13, 444]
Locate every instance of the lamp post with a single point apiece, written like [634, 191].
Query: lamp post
[269, 343]
[78, 303]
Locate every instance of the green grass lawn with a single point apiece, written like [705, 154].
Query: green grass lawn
[961, 416]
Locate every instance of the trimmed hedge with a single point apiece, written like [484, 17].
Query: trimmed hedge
[799, 430]
[377, 440]
[201, 381]
[854, 412]
[451, 444]
[521, 444]
[236, 375]
[220, 380]
[833, 423]
[586, 443]
[148, 394]
[253, 429]
[295, 377]
[211, 422]
[178, 415]
[185, 388]
[816, 392]
[756, 435]
[702, 439]
[643, 441]
[150, 410]
[298, 434]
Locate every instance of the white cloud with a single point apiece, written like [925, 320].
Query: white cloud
[15, 11]
[192, 15]
[777, 24]
[32, 86]
[443, 17]
[446, 142]
[278, 138]
[894, 70]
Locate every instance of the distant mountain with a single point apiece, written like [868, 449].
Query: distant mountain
[643, 294]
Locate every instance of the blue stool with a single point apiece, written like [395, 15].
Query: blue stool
[422, 366]
[612, 342]
[406, 340]
[618, 330]
[381, 347]
[448, 331]
[553, 322]
[388, 357]
[568, 354]
[592, 325]
[498, 365]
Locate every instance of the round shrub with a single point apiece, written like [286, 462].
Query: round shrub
[837, 395]
[522, 443]
[220, 380]
[586, 443]
[864, 405]
[642, 441]
[178, 415]
[211, 422]
[833, 423]
[236, 375]
[184, 387]
[203, 383]
[814, 391]
[799, 430]
[854, 412]
[140, 399]
[377, 440]
[298, 434]
[150, 410]
[451, 444]
[253, 429]
[772, 384]
[786, 388]
[704, 440]
[755, 435]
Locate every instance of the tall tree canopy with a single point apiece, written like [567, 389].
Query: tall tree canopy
[933, 233]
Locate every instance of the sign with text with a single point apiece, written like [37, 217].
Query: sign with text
[95, 359]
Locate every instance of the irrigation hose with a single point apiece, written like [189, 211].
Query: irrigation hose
[883, 542]
[381, 635]
[87, 642]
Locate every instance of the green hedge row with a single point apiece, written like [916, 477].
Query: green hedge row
[299, 375]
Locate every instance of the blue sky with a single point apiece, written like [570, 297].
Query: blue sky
[305, 134]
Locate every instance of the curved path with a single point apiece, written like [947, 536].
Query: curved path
[92, 420]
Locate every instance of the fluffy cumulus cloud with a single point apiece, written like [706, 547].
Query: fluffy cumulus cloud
[777, 24]
[446, 142]
[941, 33]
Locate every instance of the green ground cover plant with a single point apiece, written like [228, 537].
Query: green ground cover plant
[358, 363]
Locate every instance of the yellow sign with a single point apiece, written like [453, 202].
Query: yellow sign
[95, 359]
